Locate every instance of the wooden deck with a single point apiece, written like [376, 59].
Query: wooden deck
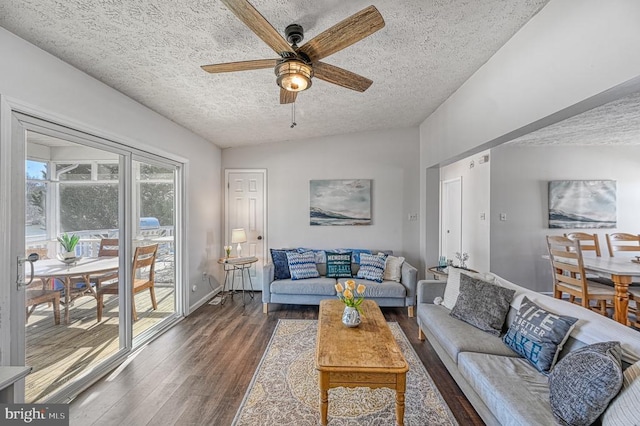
[60, 353]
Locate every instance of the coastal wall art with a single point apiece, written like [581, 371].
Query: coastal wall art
[581, 204]
[340, 202]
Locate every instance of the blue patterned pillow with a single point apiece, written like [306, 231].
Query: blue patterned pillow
[281, 264]
[320, 258]
[372, 266]
[538, 335]
[355, 254]
[302, 265]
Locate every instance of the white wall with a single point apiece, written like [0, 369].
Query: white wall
[389, 158]
[32, 77]
[519, 188]
[571, 56]
[475, 202]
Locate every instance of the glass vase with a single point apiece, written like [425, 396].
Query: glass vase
[351, 317]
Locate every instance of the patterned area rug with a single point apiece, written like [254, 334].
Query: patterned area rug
[284, 389]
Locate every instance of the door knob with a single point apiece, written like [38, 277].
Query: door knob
[259, 237]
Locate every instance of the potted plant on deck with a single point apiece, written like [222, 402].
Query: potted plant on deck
[68, 244]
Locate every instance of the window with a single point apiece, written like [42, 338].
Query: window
[36, 208]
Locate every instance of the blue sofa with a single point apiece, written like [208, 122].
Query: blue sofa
[311, 291]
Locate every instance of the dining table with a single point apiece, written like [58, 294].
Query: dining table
[83, 268]
[621, 271]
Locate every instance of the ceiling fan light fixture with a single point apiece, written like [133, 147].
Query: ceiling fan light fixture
[294, 75]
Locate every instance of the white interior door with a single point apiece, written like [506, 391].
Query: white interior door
[451, 218]
[246, 208]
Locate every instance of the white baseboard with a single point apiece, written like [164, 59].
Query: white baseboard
[204, 300]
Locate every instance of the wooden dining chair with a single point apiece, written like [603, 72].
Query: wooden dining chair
[37, 297]
[634, 296]
[569, 276]
[143, 276]
[621, 241]
[588, 242]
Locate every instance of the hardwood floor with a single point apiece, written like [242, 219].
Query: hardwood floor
[198, 371]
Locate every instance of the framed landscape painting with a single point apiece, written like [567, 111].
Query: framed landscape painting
[340, 202]
[581, 204]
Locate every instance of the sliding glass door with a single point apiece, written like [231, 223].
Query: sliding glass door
[154, 209]
[105, 223]
[72, 191]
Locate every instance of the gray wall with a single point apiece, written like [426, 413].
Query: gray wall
[519, 182]
[389, 158]
[475, 203]
[30, 76]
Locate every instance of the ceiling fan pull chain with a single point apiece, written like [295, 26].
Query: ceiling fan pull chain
[293, 115]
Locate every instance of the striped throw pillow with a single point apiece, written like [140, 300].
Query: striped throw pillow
[372, 266]
[302, 265]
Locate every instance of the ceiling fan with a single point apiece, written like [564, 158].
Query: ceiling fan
[298, 65]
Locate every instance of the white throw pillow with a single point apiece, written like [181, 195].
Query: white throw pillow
[452, 290]
[393, 268]
[624, 409]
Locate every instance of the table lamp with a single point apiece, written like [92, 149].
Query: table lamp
[238, 236]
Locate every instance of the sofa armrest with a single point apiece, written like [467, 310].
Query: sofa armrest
[268, 275]
[429, 290]
[409, 278]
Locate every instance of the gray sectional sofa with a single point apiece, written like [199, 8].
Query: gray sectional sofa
[503, 387]
[311, 291]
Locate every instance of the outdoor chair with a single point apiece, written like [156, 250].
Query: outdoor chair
[109, 247]
[37, 297]
[143, 277]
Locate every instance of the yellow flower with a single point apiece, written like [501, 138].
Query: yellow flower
[351, 284]
[339, 288]
[348, 294]
[361, 288]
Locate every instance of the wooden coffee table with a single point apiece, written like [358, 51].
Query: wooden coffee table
[365, 356]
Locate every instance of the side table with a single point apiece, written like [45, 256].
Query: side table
[438, 272]
[233, 264]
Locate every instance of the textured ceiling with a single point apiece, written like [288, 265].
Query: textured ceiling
[614, 123]
[152, 51]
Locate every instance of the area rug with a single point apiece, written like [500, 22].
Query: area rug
[284, 389]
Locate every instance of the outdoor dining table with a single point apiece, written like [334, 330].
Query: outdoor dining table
[49, 269]
[621, 271]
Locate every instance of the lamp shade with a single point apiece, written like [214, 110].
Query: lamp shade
[238, 236]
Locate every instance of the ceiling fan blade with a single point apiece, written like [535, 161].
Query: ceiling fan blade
[240, 66]
[287, 97]
[344, 34]
[258, 24]
[341, 77]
